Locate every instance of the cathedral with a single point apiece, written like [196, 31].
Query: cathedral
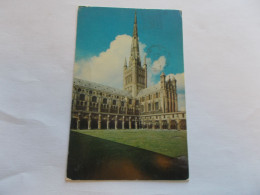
[136, 106]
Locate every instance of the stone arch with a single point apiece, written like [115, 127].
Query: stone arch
[150, 125]
[94, 99]
[157, 125]
[133, 124]
[82, 97]
[126, 125]
[164, 124]
[112, 124]
[84, 123]
[119, 124]
[94, 124]
[103, 124]
[173, 124]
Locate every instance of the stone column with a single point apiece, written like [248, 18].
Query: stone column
[178, 124]
[108, 121]
[153, 123]
[135, 123]
[130, 124]
[87, 105]
[116, 122]
[99, 121]
[89, 121]
[168, 123]
[123, 123]
[160, 121]
[78, 123]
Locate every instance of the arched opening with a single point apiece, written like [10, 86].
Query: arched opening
[157, 125]
[94, 99]
[126, 125]
[145, 126]
[119, 124]
[164, 125]
[94, 124]
[103, 124]
[150, 125]
[83, 124]
[133, 124]
[173, 125]
[73, 123]
[112, 125]
[82, 97]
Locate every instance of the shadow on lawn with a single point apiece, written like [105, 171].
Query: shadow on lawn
[92, 158]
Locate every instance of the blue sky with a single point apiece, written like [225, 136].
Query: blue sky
[104, 40]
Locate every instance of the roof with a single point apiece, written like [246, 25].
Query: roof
[149, 90]
[100, 87]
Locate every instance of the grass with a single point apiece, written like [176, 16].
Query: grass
[166, 142]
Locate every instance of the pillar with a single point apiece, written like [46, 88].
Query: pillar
[123, 123]
[153, 123]
[168, 124]
[130, 124]
[178, 124]
[116, 122]
[99, 121]
[89, 121]
[78, 123]
[108, 121]
[160, 121]
[135, 123]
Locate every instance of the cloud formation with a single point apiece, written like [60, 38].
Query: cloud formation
[107, 67]
[158, 65]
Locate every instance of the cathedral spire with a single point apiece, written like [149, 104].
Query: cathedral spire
[135, 57]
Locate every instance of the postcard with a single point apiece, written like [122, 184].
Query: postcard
[128, 115]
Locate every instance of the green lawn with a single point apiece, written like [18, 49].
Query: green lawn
[167, 142]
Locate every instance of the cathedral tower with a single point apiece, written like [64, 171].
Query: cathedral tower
[135, 76]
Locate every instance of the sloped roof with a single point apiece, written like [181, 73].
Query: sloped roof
[149, 90]
[100, 87]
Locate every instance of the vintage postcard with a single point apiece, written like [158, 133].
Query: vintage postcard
[128, 116]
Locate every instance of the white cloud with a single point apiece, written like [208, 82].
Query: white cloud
[107, 67]
[158, 65]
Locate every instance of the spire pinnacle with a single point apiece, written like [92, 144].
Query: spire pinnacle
[145, 60]
[135, 56]
[135, 18]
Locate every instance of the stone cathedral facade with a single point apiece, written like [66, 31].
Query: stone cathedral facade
[96, 106]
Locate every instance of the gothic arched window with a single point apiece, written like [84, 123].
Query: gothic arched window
[94, 99]
[82, 97]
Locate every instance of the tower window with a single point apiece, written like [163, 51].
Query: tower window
[114, 102]
[105, 101]
[82, 97]
[156, 106]
[94, 99]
